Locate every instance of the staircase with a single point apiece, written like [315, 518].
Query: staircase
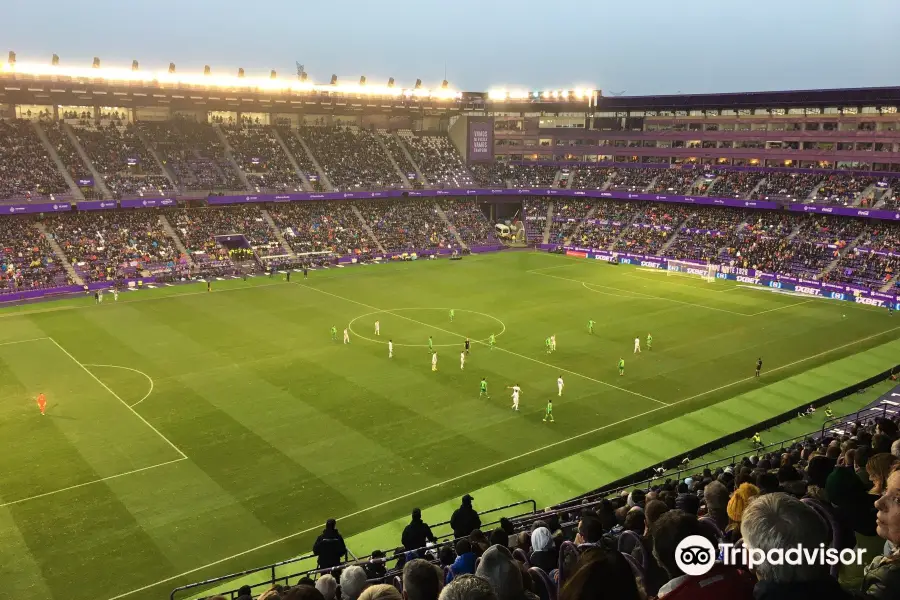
[650, 185]
[590, 215]
[323, 177]
[842, 254]
[365, 225]
[612, 245]
[548, 225]
[815, 191]
[450, 227]
[556, 178]
[887, 287]
[99, 183]
[159, 161]
[712, 185]
[608, 182]
[869, 192]
[756, 189]
[51, 151]
[390, 157]
[278, 234]
[229, 154]
[60, 255]
[167, 227]
[675, 233]
[409, 157]
[306, 185]
[887, 193]
[794, 233]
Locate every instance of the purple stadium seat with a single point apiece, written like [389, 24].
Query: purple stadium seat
[710, 526]
[545, 587]
[520, 556]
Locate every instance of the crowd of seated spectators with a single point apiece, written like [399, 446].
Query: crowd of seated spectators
[610, 220]
[528, 176]
[26, 169]
[491, 175]
[590, 178]
[875, 260]
[353, 159]
[842, 188]
[674, 181]
[198, 229]
[406, 167]
[194, 153]
[440, 162]
[105, 246]
[633, 180]
[66, 151]
[736, 184]
[654, 226]
[708, 231]
[126, 164]
[787, 186]
[534, 209]
[321, 227]
[262, 158]
[837, 490]
[568, 214]
[406, 225]
[469, 221]
[26, 259]
[302, 158]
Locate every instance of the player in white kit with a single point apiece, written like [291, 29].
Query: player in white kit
[637, 345]
[100, 296]
[515, 396]
[462, 360]
[377, 327]
[434, 361]
[346, 337]
[390, 348]
[560, 384]
[115, 294]
[553, 343]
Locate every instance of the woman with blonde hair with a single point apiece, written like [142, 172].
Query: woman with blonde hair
[879, 469]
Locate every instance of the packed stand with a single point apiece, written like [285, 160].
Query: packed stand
[527, 176]
[26, 259]
[674, 181]
[198, 229]
[633, 180]
[66, 151]
[709, 230]
[843, 189]
[321, 227]
[875, 260]
[353, 160]
[469, 221]
[126, 164]
[788, 186]
[26, 169]
[441, 164]
[302, 158]
[535, 217]
[406, 167]
[568, 214]
[194, 153]
[655, 226]
[491, 175]
[262, 158]
[736, 184]
[891, 197]
[112, 245]
[609, 221]
[406, 225]
[590, 178]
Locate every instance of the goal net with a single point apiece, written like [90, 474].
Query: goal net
[690, 269]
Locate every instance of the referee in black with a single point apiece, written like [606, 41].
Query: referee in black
[758, 366]
[467, 345]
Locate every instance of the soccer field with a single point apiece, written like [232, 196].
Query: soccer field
[185, 427]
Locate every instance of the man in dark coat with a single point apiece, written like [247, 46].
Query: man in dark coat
[464, 519]
[417, 533]
[329, 546]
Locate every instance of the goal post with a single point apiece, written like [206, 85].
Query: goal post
[706, 271]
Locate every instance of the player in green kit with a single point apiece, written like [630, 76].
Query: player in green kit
[547, 344]
[483, 393]
[590, 326]
[452, 314]
[333, 333]
[649, 342]
[430, 345]
[549, 415]
[492, 341]
[621, 366]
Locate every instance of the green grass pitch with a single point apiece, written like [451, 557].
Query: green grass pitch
[185, 428]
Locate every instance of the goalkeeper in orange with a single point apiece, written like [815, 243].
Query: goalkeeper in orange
[42, 403]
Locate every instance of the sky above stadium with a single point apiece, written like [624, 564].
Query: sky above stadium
[649, 47]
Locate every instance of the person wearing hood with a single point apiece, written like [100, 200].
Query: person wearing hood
[329, 546]
[417, 534]
[543, 551]
[464, 519]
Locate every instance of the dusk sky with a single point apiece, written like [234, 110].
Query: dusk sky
[648, 47]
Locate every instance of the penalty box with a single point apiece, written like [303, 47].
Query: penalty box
[89, 433]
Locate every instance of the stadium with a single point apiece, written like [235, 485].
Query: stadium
[235, 308]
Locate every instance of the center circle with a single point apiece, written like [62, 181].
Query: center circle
[392, 312]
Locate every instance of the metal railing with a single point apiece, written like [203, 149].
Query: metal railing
[274, 578]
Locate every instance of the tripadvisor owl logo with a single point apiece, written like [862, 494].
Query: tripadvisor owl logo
[695, 555]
